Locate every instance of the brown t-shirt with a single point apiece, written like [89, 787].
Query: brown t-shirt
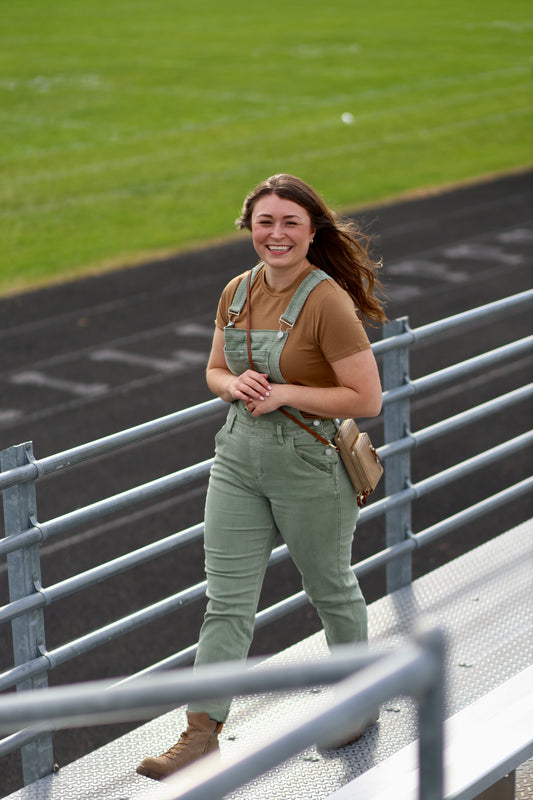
[326, 330]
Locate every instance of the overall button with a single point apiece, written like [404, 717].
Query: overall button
[328, 451]
[316, 423]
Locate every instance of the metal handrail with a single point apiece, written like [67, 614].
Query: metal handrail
[442, 327]
[54, 527]
[364, 681]
[115, 441]
[403, 442]
[108, 444]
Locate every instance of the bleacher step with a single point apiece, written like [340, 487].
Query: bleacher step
[483, 600]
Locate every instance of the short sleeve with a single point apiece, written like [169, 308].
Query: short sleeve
[339, 329]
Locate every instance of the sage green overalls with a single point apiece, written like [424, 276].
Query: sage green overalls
[271, 477]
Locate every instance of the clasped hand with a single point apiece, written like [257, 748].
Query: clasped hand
[258, 394]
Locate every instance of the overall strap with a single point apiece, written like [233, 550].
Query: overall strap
[239, 298]
[290, 315]
[298, 307]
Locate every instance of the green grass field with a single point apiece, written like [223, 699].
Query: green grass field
[133, 129]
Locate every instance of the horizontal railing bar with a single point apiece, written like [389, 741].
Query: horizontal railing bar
[48, 595]
[417, 438]
[435, 329]
[20, 540]
[415, 491]
[437, 379]
[357, 696]
[182, 659]
[423, 487]
[134, 435]
[473, 512]
[16, 740]
[375, 561]
[422, 538]
[479, 314]
[383, 557]
[124, 500]
[482, 361]
[84, 644]
[105, 702]
[296, 601]
[114, 441]
[479, 461]
[60, 524]
[110, 505]
[171, 689]
[23, 474]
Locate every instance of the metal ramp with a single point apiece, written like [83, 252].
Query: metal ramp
[484, 602]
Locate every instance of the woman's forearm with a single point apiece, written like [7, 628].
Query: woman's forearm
[220, 381]
[331, 402]
[251, 385]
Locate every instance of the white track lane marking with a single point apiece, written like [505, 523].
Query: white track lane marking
[10, 415]
[35, 378]
[420, 267]
[182, 359]
[483, 252]
[193, 329]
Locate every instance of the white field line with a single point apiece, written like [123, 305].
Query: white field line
[180, 182]
[419, 133]
[189, 25]
[332, 122]
[305, 103]
[502, 24]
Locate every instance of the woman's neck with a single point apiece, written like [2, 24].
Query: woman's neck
[280, 278]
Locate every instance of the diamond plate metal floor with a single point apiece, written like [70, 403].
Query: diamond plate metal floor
[483, 600]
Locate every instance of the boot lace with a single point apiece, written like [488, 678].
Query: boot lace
[180, 744]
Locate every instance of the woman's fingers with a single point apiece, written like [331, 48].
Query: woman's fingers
[254, 385]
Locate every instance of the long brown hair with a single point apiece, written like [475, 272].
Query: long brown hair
[339, 247]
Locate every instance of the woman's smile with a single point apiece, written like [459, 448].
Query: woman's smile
[278, 248]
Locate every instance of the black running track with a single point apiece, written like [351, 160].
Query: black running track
[92, 357]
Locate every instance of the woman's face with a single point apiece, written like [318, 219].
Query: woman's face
[281, 232]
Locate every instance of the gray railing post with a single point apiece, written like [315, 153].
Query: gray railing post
[24, 574]
[431, 712]
[398, 467]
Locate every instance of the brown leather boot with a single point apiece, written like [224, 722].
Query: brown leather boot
[200, 738]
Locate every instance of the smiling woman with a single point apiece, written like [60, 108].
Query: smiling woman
[306, 349]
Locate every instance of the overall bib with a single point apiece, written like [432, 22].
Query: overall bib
[270, 478]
